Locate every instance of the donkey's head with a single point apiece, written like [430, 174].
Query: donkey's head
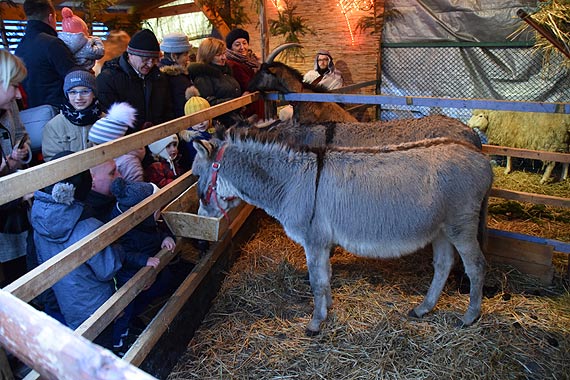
[275, 76]
[216, 196]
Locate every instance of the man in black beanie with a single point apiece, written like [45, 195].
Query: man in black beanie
[134, 77]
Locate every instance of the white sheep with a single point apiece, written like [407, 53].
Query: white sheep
[526, 130]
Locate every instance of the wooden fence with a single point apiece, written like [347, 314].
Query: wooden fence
[28, 334]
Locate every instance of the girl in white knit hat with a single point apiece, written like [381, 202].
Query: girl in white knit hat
[166, 168]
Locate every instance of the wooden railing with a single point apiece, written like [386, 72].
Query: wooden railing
[28, 333]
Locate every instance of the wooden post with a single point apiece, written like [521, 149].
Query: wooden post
[379, 6]
[54, 350]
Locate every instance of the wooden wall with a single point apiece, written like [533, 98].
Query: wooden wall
[358, 58]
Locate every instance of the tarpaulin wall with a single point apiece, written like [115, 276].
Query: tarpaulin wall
[464, 49]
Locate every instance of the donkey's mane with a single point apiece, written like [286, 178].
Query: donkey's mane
[299, 77]
[271, 140]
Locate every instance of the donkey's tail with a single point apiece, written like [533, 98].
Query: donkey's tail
[483, 232]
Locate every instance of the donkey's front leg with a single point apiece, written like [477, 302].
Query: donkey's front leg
[319, 267]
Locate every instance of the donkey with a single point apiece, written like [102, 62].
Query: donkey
[375, 133]
[276, 76]
[381, 202]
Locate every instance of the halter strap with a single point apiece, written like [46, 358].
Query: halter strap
[213, 183]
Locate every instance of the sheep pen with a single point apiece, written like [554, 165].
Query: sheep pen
[255, 327]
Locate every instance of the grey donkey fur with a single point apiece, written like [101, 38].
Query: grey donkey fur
[378, 202]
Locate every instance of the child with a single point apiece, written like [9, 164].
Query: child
[167, 167]
[69, 129]
[140, 244]
[86, 50]
[200, 131]
[120, 118]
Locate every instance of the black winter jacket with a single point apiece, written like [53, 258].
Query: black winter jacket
[179, 81]
[48, 61]
[119, 82]
[216, 84]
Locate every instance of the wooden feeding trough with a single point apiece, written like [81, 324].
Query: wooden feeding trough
[181, 216]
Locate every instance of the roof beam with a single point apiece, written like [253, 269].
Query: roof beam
[169, 11]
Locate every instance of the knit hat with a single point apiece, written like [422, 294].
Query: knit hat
[79, 78]
[159, 147]
[129, 193]
[120, 117]
[71, 23]
[144, 44]
[175, 43]
[75, 187]
[234, 35]
[195, 104]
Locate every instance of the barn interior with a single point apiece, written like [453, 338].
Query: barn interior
[244, 299]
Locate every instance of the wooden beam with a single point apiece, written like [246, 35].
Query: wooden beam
[170, 11]
[530, 197]
[26, 181]
[12, 13]
[526, 153]
[48, 273]
[54, 350]
[149, 337]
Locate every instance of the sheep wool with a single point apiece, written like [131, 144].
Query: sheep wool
[525, 130]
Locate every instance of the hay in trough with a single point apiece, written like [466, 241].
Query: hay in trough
[255, 328]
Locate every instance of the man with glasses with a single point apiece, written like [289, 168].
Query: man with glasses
[324, 73]
[46, 57]
[134, 77]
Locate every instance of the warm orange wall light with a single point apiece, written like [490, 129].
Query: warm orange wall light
[348, 6]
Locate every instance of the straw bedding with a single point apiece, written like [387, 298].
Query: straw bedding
[255, 328]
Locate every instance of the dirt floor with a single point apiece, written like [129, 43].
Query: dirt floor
[256, 326]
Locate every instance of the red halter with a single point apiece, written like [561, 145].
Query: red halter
[213, 183]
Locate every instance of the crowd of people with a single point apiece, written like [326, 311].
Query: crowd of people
[147, 84]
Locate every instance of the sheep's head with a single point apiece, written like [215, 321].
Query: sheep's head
[479, 120]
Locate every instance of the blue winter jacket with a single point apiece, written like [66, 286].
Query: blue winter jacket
[56, 227]
[48, 60]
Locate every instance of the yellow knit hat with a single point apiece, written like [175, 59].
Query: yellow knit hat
[195, 104]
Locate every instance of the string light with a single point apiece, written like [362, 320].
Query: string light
[347, 6]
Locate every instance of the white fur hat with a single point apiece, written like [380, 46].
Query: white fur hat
[159, 147]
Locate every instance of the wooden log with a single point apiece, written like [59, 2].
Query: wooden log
[53, 350]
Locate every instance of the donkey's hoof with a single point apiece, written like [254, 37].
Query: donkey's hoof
[412, 314]
[460, 324]
[311, 333]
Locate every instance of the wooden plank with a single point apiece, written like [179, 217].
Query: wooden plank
[29, 334]
[424, 101]
[526, 153]
[541, 272]
[45, 275]
[521, 250]
[181, 216]
[26, 181]
[147, 340]
[530, 197]
[558, 246]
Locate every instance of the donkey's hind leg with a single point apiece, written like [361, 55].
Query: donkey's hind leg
[318, 263]
[474, 263]
[442, 262]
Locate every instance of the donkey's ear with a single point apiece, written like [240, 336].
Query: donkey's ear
[203, 148]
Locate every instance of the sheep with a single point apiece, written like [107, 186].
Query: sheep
[525, 130]
[276, 76]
